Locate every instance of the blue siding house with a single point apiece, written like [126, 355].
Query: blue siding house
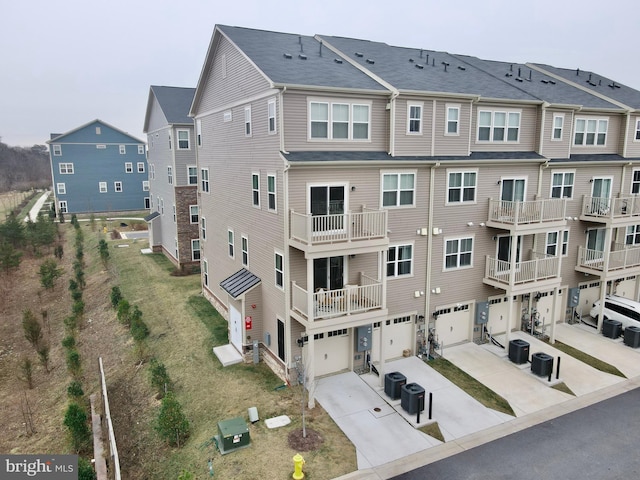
[98, 168]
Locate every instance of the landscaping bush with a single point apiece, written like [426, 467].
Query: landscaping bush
[49, 272]
[124, 312]
[73, 362]
[116, 296]
[172, 424]
[75, 419]
[74, 390]
[159, 377]
[32, 328]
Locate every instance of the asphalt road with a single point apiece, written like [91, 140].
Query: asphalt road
[599, 442]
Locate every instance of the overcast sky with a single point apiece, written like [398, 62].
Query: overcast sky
[67, 62]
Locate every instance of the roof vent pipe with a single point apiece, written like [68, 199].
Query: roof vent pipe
[300, 42]
[427, 62]
[518, 71]
[529, 75]
[320, 47]
[433, 62]
[511, 67]
[420, 53]
[577, 71]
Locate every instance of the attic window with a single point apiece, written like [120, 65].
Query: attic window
[337, 60]
[98, 131]
[359, 55]
[288, 56]
[302, 56]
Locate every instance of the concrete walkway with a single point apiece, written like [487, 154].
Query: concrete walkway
[33, 213]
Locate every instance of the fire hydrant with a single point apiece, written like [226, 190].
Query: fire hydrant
[298, 461]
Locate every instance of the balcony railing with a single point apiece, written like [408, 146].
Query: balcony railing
[623, 256]
[531, 212]
[345, 227]
[540, 268]
[620, 207]
[335, 303]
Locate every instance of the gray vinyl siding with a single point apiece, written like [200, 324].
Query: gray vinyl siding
[527, 136]
[157, 119]
[557, 148]
[413, 143]
[613, 135]
[296, 124]
[242, 79]
[452, 144]
[633, 145]
[183, 157]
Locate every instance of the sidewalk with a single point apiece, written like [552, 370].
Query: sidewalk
[33, 213]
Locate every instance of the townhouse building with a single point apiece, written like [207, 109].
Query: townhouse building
[356, 197]
[173, 175]
[98, 168]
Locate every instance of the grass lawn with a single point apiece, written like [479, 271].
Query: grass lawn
[588, 359]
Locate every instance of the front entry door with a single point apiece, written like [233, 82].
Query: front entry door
[235, 328]
[328, 273]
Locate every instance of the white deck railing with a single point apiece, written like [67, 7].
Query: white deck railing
[535, 211]
[620, 207]
[623, 256]
[345, 227]
[541, 268]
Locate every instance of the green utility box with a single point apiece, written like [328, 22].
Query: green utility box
[232, 434]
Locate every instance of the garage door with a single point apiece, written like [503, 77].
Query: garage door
[499, 315]
[589, 293]
[331, 351]
[398, 337]
[627, 288]
[454, 326]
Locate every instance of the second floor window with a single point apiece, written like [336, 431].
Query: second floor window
[398, 189]
[453, 120]
[62, 189]
[558, 121]
[462, 187]
[66, 168]
[128, 167]
[170, 175]
[204, 178]
[183, 140]
[255, 189]
[557, 243]
[193, 213]
[192, 175]
[498, 126]
[145, 185]
[231, 243]
[458, 253]
[203, 228]
[102, 187]
[117, 186]
[591, 131]
[271, 191]
[279, 269]
[635, 182]
[140, 167]
[245, 251]
[562, 185]
[415, 119]
[399, 260]
[637, 136]
[633, 235]
[195, 249]
[338, 121]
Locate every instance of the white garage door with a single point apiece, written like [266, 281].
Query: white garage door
[627, 288]
[499, 315]
[545, 306]
[398, 334]
[331, 352]
[589, 293]
[455, 326]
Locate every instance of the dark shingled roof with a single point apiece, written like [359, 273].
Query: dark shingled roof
[594, 157]
[267, 50]
[239, 282]
[151, 216]
[359, 156]
[175, 103]
[398, 66]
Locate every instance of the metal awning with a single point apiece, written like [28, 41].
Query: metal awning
[239, 283]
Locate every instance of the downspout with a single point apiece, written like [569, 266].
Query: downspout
[626, 134]
[392, 123]
[543, 119]
[427, 304]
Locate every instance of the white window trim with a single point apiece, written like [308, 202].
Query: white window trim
[420, 105]
[178, 132]
[191, 215]
[271, 104]
[632, 182]
[231, 243]
[68, 168]
[413, 256]
[63, 206]
[276, 254]
[330, 103]
[475, 188]
[553, 127]
[636, 136]
[174, 212]
[57, 150]
[170, 175]
[507, 112]
[145, 185]
[103, 184]
[203, 228]
[204, 182]
[115, 186]
[274, 193]
[563, 172]
[248, 131]
[254, 190]
[193, 250]
[244, 240]
[398, 173]
[199, 132]
[444, 253]
[205, 272]
[140, 167]
[61, 188]
[452, 106]
[122, 149]
[584, 133]
[140, 149]
[190, 177]
[128, 167]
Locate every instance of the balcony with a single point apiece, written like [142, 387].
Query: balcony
[336, 304]
[540, 272]
[364, 231]
[617, 212]
[527, 217]
[623, 260]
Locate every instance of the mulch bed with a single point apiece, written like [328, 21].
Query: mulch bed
[305, 444]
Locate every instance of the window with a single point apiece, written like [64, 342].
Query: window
[247, 121]
[271, 191]
[147, 203]
[279, 268]
[461, 187]
[255, 189]
[66, 168]
[195, 249]
[194, 214]
[173, 209]
[632, 236]
[558, 122]
[170, 175]
[204, 178]
[145, 185]
[399, 260]
[414, 121]
[102, 186]
[203, 228]
[459, 253]
[61, 188]
[348, 121]
[57, 150]
[169, 136]
[498, 126]
[140, 166]
[562, 185]
[128, 167]
[183, 140]
[62, 206]
[140, 149]
[199, 132]
[398, 189]
[152, 171]
[591, 131]
[192, 175]
[271, 116]
[635, 182]
[555, 239]
[117, 186]
[227, 116]
[98, 130]
[230, 242]
[453, 120]
[122, 149]
[245, 251]
[637, 136]
[205, 273]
